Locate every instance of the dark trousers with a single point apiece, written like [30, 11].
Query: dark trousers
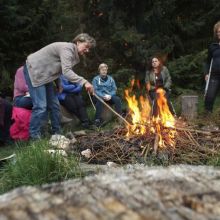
[74, 103]
[5, 128]
[23, 102]
[212, 91]
[153, 97]
[115, 100]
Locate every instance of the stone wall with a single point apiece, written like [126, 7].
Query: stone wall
[135, 192]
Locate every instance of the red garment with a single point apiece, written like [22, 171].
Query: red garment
[19, 130]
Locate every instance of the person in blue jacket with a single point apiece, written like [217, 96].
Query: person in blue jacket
[71, 98]
[105, 87]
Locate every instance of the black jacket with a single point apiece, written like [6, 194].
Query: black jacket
[213, 53]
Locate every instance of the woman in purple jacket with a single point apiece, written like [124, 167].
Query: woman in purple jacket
[22, 97]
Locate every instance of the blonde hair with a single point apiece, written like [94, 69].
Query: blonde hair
[84, 37]
[216, 27]
[102, 65]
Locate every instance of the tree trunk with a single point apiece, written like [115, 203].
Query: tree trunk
[189, 106]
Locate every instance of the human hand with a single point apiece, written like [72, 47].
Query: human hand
[206, 77]
[27, 94]
[107, 97]
[89, 88]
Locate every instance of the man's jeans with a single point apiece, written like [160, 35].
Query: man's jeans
[44, 99]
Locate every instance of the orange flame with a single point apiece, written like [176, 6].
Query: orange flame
[140, 116]
[164, 113]
[163, 124]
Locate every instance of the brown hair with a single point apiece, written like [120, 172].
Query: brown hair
[160, 61]
[215, 29]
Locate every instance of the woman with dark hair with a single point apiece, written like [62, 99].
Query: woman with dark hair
[158, 76]
[212, 71]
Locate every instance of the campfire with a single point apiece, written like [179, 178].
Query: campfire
[146, 135]
[144, 122]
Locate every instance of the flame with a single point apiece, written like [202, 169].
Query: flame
[162, 124]
[140, 116]
[164, 113]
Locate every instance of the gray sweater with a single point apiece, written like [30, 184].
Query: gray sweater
[48, 63]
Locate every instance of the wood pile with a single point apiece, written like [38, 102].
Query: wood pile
[192, 146]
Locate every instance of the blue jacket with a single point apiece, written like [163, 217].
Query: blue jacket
[68, 88]
[104, 87]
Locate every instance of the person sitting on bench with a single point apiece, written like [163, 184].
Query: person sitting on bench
[105, 87]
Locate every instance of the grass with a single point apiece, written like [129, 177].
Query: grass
[7, 150]
[33, 165]
[215, 161]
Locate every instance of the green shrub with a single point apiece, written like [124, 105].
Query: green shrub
[187, 72]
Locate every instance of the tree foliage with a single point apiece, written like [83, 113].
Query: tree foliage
[128, 33]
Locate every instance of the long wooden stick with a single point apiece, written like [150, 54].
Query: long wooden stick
[209, 75]
[195, 130]
[91, 101]
[110, 108]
